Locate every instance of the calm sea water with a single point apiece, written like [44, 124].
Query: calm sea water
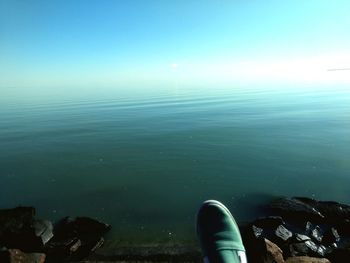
[144, 160]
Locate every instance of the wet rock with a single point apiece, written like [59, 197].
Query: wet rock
[75, 238]
[17, 256]
[301, 238]
[254, 244]
[283, 233]
[17, 230]
[296, 209]
[306, 260]
[14, 220]
[85, 227]
[316, 250]
[316, 233]
[331, 236]
[98, 244]
[302, 245]
[343, 228]
[327, 211]
[312, 246]
[257, 231]
[321, 250]
[332, 211]
[273, 253]
[62, 249]
[43, 229]
[308, 227]
[298, 249]
[340, 255]
[75, 245]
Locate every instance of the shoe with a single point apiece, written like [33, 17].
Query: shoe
[219, 235]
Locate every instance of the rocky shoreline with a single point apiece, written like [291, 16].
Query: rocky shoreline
[293, 230]
[300, 230]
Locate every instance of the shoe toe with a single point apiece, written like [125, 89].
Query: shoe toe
[217, 229]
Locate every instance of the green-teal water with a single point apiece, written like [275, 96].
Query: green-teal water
[143, 160]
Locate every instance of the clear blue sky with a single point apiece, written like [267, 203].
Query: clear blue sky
[74, 42]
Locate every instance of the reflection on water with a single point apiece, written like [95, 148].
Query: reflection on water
[144, 161]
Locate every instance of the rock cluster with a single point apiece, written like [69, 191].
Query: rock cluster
[294, 230]
[24, 238]
[300, 230]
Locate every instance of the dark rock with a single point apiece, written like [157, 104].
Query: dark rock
[316, 233]
[17, 256]
[75, 238]
[17, 230]
[257, 231]
[271, 222]
[343, 228]
[98, 244]
[298, 249]
[75, 246]
[321, 250]
[317, 250]
[61, 250]
[43, 229]
[254, 244]
[339, 256]
[302, 238]
[14, 220]
[332, 211]
[331, 236]
[302, 245]
[283, 233]
[311, 245]
[85, 227]
[308, 227]
[296, 209]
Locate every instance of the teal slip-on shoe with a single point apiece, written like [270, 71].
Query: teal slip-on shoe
[219, 234]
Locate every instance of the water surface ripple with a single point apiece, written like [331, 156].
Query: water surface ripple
[145, 161]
